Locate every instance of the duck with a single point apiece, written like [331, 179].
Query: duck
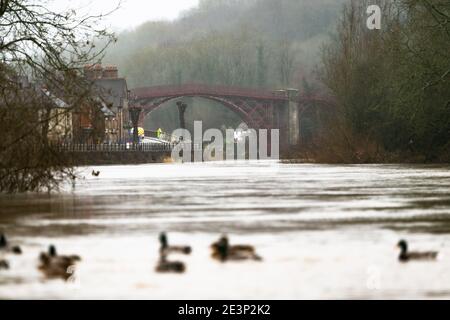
[95, 173]
[4, 265]
[73, 179]
[56, 266]
[223, 251]
[406, 255]
[165, 266]
[4, 246]
[167, 249]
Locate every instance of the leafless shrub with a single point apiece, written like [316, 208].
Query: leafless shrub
[50, 48]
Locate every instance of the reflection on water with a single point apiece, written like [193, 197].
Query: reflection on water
[324, 231]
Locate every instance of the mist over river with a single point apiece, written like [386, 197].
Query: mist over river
[324, 231]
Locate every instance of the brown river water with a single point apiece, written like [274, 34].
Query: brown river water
[324, 231]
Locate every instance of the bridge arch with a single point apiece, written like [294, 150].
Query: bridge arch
[237, 109]
[260, 109]
[256, 107]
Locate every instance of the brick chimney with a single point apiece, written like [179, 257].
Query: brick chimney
[93, 71]
[110, 72]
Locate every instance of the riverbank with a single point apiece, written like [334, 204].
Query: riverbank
[344, 156]
[102, 159]
[311, 156]
[97, 158]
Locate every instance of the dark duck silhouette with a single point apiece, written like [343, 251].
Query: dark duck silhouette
[406, 255]
[168, 249]
[95, 173]
[4, 265]
[166, 266]
[223, 251]
[57, 266]
[4, 246]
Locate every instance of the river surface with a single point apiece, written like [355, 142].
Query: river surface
[325, 232]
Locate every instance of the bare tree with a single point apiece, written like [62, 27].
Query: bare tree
[50, 48]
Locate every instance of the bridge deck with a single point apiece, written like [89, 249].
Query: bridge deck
[206, 90]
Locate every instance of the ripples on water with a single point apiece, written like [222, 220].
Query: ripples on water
[324, 231]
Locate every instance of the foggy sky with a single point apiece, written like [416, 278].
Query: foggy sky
[132, 12]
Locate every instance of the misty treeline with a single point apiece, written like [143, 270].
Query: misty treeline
[41, 53]
[252, 43]
[392, 86]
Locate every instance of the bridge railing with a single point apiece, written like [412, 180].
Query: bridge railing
[128, 147]
[202, 89]
[124, 147]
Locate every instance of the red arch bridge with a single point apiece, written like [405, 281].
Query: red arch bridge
[260, 109]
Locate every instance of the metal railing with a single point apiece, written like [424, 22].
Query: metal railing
[123, 147]
[207, 90]
[127, 147]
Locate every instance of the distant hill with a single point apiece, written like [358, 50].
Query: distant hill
[257, 43]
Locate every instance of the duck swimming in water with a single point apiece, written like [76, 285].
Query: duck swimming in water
[223, 251]
[167, 249]
[4, 265]
[4, 246]
[56, 266]
[165, 266]
[406, 255]
[95, 173]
